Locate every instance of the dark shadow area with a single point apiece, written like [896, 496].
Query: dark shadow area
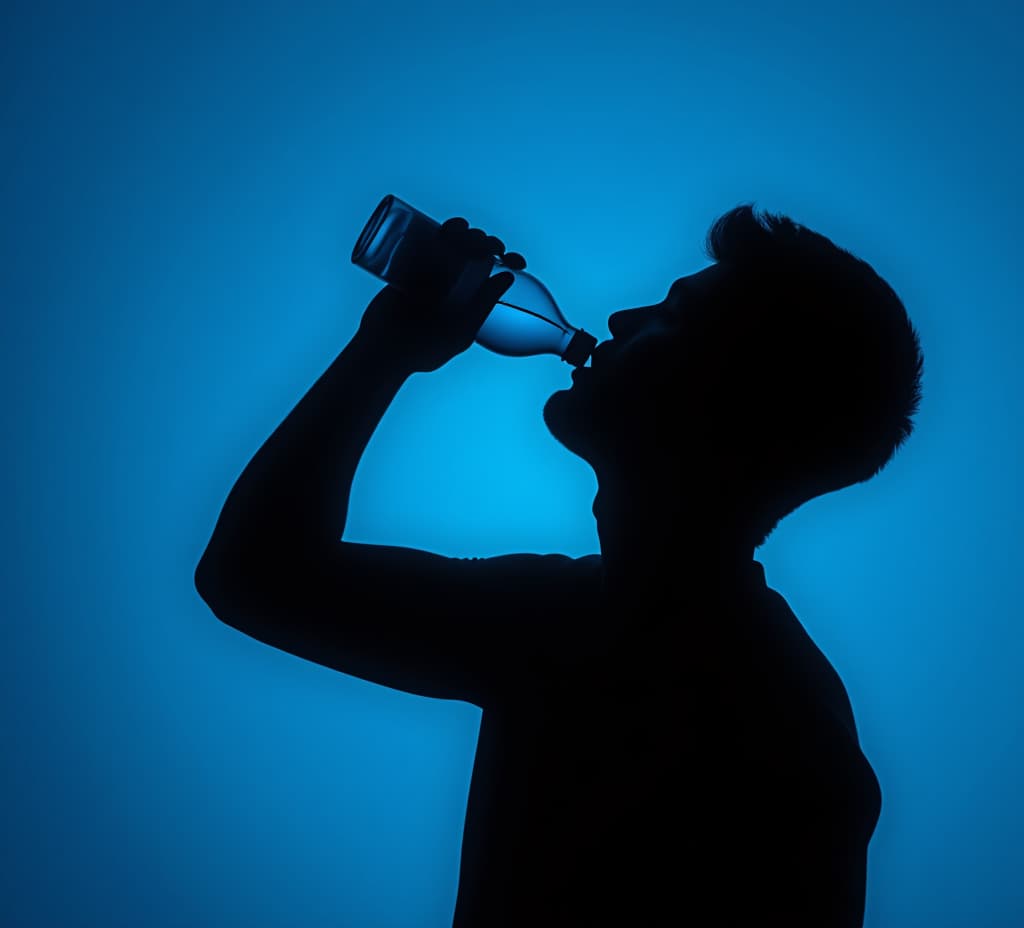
[662, 743]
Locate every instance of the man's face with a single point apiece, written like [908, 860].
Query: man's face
[644, 376]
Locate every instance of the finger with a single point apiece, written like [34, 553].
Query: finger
[476, 242]
[514, 260]
[495, 245]
[453, 227]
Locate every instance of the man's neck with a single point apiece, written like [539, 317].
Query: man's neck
[656, 542]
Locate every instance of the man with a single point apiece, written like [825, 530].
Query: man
[661, 742]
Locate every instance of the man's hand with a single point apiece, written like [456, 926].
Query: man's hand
[425, 332]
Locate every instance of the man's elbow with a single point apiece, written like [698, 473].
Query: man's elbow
[218, 581]
[225, 596]
[225, 562]
[212, 585]
[241, 585]
[204, 579]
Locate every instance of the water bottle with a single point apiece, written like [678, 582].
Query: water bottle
[401, 246]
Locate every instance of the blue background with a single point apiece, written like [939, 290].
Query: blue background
[181, 188]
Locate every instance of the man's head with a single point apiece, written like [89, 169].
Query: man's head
[786, 369]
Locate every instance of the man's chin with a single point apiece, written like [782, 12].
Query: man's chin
[555, 411]
[562, 418]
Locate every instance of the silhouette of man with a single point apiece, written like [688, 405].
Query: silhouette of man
[661, 742]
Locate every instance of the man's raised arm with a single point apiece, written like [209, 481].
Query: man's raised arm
[276, 567]
[293, 495]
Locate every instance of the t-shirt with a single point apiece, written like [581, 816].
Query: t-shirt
[705, 771]
[685, 759]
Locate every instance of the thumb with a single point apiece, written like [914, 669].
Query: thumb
[486, 297]
[475, 290]
[493, 289]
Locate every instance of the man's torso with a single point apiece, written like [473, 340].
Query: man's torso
[670, 777]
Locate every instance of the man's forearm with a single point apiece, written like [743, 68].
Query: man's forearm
[293, 495]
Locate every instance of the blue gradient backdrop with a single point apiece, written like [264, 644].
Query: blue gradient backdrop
[182, 184]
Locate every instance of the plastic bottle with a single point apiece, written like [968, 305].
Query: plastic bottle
[401, 246]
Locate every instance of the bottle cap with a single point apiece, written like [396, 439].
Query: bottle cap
[581, 346]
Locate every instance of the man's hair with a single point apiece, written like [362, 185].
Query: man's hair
[823, 364]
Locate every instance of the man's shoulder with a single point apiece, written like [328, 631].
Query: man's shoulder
[547, 579]
[585, 567]
[572, 580]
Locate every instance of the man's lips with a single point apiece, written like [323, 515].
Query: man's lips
[599, 357]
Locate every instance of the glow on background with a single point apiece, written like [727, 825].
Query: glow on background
[181, 188]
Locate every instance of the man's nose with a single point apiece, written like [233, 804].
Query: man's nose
[626, 322]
